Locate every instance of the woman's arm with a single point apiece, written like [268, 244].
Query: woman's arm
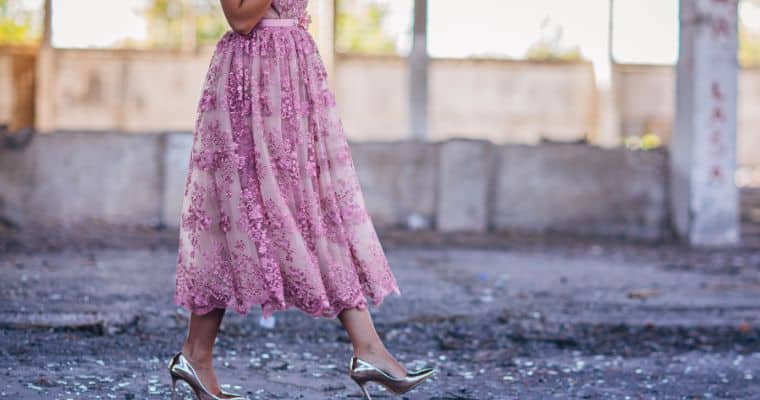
[243, 15]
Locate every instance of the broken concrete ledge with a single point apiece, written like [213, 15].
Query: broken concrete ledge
[455, 185]
[102, 323]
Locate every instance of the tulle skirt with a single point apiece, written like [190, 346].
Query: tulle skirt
[273, 212]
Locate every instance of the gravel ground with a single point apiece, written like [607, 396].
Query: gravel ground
[502, 317]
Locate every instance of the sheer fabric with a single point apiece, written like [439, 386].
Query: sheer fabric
[273, 213]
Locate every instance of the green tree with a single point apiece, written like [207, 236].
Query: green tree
[549, 47]
[17, 25]
[359, 28]
[165, 25]
[169, 21]
[209, 22]
[749, 39]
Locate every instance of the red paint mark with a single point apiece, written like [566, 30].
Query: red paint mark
[717, 93]
[721, 28]
[718, 115]
[723, 21]
[716, 173]
[717, 137]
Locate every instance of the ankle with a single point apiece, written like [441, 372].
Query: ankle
[198, 356]
[372, 350]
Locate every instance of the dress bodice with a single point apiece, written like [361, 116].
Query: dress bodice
[287, 8]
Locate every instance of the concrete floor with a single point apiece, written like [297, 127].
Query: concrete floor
[502, 317]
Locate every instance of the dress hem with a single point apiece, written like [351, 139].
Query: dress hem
[359, 302]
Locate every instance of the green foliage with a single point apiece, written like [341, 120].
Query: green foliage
[170, 20]
[359, 28]
[209, 22]
[543, 51]
[749, 41]
[16, 25]
[549, 47]
[165, 25]
[13, 33]
[647, 141]
[749, 49]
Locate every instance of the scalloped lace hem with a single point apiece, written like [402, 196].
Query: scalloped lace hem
[267, 309]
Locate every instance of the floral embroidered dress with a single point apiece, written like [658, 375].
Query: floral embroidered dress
[273, 213]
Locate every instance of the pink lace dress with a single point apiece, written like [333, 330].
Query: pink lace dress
[273, 213]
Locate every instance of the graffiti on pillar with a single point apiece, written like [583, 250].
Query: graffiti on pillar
[723, 19]
[721, 28]
[717, 136]
[722, 31]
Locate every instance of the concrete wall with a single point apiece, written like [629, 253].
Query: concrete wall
[74, 178]
[154, 91]
[130, 91]
[6, 92]
[71, 178]
[512, 101]
[398, 179]
[748, 146]
[581, 189]
[17, 79]
[498, 100]
[646, 100]
[372, 95]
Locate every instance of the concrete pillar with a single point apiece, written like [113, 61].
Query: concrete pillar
[418, 73]
[704, 196]
[608, 131]
[44, 108]
[47, 30]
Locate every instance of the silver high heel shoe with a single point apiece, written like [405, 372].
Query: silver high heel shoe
[363, 372]
[180, 369]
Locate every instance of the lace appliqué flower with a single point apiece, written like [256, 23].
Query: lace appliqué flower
[304, 20]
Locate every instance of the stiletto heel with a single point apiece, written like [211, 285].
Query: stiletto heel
[364, 390]
[362, 372]
[174, 387]
[180, 368]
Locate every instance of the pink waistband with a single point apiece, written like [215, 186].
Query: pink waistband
[278, 22]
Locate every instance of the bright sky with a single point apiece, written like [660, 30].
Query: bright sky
[645, 31]
[509, 27]
[96, 23]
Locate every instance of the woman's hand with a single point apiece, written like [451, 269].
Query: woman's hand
[243, 15]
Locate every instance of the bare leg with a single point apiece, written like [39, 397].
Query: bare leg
[367, 343]
[199, 345]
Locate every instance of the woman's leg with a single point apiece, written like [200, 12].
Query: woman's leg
[367, 343]
[199, 345]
